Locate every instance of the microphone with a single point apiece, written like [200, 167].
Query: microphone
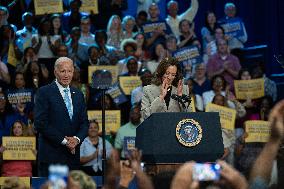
[177, 98]
[185, 97]
[182, 99]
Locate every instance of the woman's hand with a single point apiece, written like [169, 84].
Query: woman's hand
[164, 89]
[179, 89]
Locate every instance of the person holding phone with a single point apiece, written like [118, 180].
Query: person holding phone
[167, 81]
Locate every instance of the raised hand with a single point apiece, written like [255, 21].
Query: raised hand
[231, 177]
[276, 119]
[164, 89]
[179, 89]
[135, 159]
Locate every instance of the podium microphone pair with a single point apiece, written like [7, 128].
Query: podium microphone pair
[182, 99]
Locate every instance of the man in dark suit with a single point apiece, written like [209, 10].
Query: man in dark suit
[60, 119]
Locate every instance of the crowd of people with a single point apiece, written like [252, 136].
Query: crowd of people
[52, 53]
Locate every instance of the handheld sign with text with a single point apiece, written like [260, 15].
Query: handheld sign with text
[112, 119]
[25, 180]
[188, 57]
[112, 69]
[190, 53]
[22, 96]
[252, 89]
[128, 145]
[233, 27]
[48, 6]
[19, 148]
[117, 94]
[128, 83]
[258, 131]
[154, 26]
[227, 115]
[89, 5]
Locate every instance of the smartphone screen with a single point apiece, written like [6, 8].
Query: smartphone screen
[206, 171]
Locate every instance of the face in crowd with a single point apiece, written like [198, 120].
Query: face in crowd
[154, 11]
[93, 130]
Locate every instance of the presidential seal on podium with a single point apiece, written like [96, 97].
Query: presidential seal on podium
[189, 132]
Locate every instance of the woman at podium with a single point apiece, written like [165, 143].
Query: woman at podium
[166, 92]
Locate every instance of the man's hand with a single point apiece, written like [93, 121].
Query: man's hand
[231, 177]
[71, 143]
[276, 119]
[183, 178]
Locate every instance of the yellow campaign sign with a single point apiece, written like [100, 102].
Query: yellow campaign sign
[12, 60]
[192, 105]
[252, 89]
[128, 83]
[112, 119]
[112, 69]
[90, 5]
[227, 115]
[25, 180]
[48, 6]
[258, 131]
[19, 148]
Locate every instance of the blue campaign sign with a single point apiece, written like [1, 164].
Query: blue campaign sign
[20, 96]
[188, 57]
[233, 27]
[117, 94]
[149, 27]
[188, 54]
[128, 145]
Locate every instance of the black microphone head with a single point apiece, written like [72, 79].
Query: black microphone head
[175, 97]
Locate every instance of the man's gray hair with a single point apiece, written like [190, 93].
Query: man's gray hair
[62, 59]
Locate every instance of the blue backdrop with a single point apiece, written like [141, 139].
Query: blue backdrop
[264, 21]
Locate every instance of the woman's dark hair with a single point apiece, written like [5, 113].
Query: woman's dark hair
[184, 20]
[25, 53]
[91, 48]
[62, 33]
[153, 50]
[162, 68]
[216, 95]
[43, 21]
[219, 27]
[28, 75]
[100, 32]
[14, 78]
[211, 30]
[144, 42]
[219, 76]
[242, 70]
[23, 128]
